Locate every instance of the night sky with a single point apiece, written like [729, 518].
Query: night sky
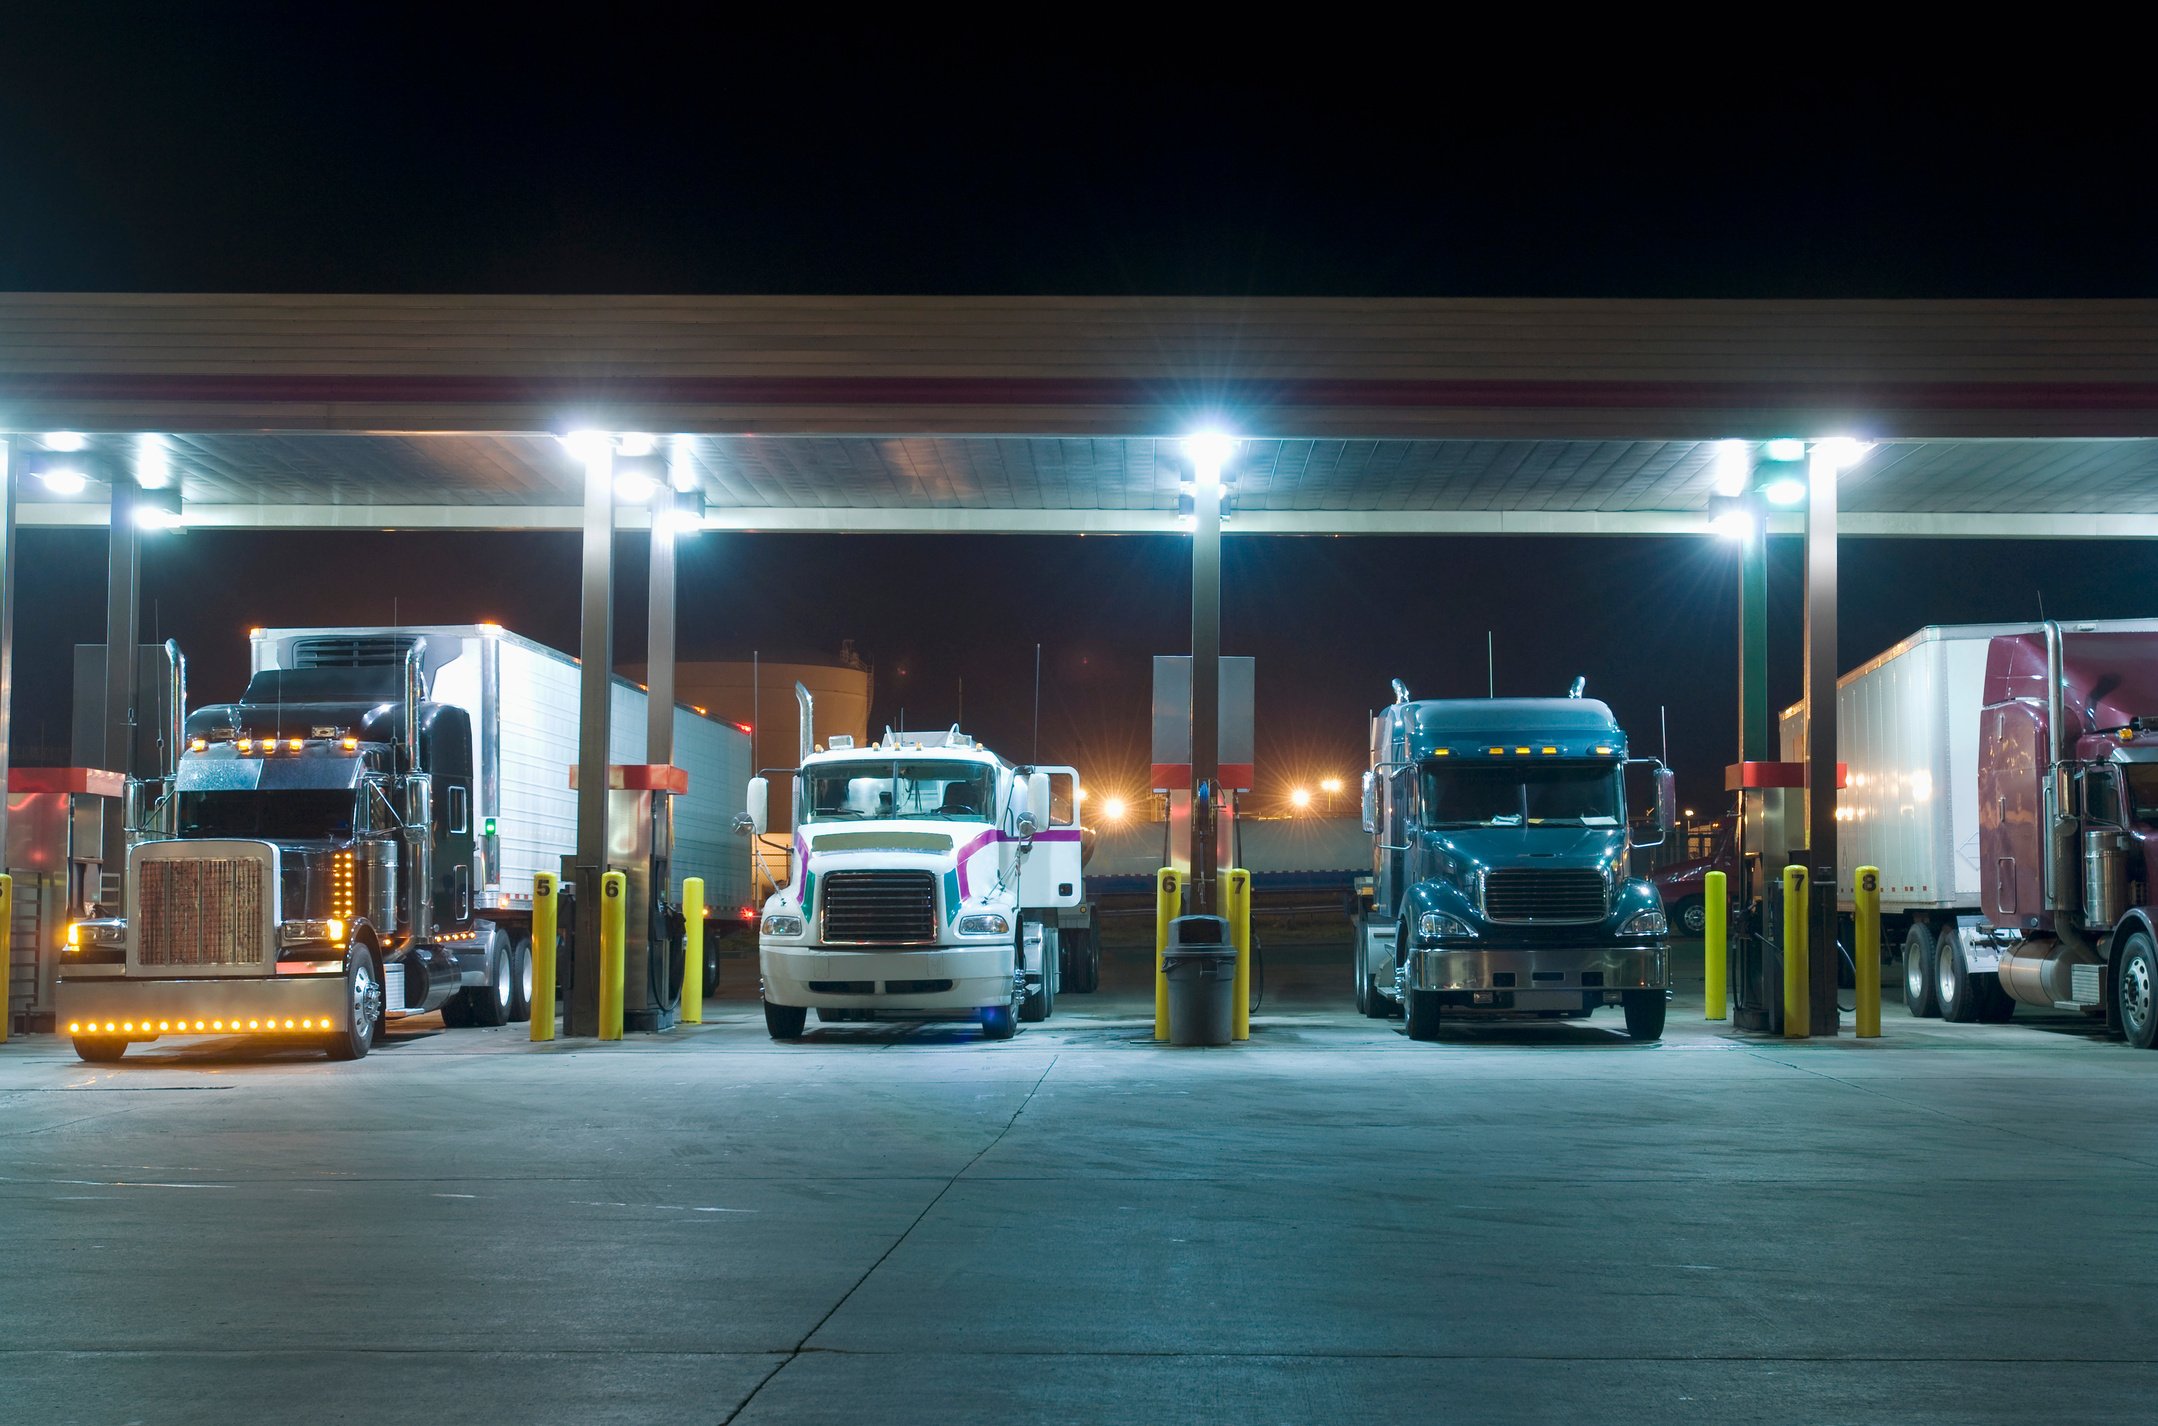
[271, 149]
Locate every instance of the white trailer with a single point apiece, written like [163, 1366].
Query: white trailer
[522, 699]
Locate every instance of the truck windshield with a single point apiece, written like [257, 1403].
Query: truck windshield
[295, 815]
[889, 788]
[1520, 794]
[2142, 779]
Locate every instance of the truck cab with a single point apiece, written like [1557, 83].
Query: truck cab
[923, 885]
[1500, 844]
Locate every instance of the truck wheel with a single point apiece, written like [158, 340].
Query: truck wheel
[1690, 916]
[1955, 989]
[1996, 1006]
[99, 1051]
[1918, 987]
[2138, 988]
[1423, 1015]
[711, 968]
[785, 1022]
[363, 999]
[521, 982]
[1645, 1011]
[489, 1005]
[998, 1022]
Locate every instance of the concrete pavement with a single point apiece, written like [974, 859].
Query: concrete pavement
[887, 1223]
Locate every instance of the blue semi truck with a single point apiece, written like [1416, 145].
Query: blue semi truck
[1500, 887]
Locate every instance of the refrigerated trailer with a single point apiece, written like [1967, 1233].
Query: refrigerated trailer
[354, 841]
[2004, 779]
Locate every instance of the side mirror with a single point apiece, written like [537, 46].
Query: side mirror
[1038, 803]
[1026, 827]
[760, 791]
[1666, 806]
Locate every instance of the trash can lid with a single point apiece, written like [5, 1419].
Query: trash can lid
[1199, 931]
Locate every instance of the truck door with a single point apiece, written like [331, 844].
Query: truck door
[1050, 875]
[1390, 864]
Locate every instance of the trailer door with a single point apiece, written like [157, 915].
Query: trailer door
[1050, 875]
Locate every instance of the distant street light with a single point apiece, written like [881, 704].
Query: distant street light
[1330, 786]
[1113, 809]
[1300, 799]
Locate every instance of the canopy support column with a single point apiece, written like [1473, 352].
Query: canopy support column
[1820, 677]
[1205, 689]
[123, 599]
[594, 734]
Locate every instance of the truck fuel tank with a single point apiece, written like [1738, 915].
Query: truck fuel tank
[2105, 876]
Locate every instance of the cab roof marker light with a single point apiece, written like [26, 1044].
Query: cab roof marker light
[1520, 750]
[1603, 747]
[1550, 750]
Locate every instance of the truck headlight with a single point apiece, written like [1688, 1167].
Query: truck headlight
[312, 932]
[1646, 923]
[984, 923]
[781, 924]
[1438, 926]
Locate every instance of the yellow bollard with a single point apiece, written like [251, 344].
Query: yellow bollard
[546, 908]
[613, 928]
[1867, 951]
[1716, 953]
[1797, 988]
[693, 951]
[1167, 902]
[1240, 932]
[7, 948]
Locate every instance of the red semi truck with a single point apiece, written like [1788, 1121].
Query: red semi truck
[2004, 778]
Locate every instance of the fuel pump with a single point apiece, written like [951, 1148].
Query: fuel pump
[1771, 835]
[640, 845]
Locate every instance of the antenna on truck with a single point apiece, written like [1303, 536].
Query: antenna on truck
[1491, 666]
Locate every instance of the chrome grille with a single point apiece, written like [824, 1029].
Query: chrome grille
[1573, 894]
[880, 908]
[202, 911]
[352, 651]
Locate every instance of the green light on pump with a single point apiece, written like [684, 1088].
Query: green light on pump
[487, 826]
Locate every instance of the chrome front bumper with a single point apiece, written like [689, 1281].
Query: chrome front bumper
[964, 977]
[151, 1005]
[1539, 970]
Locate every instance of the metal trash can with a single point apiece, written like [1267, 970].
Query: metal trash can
[1200, 964]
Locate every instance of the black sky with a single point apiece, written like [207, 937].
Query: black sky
[674, 150]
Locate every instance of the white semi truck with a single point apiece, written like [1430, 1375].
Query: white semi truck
[925, 884]
[354, 839]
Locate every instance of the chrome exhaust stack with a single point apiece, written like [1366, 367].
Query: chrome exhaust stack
[419, 803]
[809, 720]
[175, 734]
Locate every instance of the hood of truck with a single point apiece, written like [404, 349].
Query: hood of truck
[962, 855]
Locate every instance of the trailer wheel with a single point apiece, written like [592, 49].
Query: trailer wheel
[1424, 1015]
[521, 982]
[99, 1051]
[1956, 989]
[363, 998]
[785, 1022]
[1645, 1012]
[1918, 986]
[2137, 995]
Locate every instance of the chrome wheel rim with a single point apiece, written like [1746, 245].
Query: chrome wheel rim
[527, 977]
[1914, 972]
[1944, 972]
[2136, 992]
[1695, 920]
[366, 997]
[502, 982]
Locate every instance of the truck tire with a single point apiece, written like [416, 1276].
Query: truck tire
[1960, 994]
[99, 1051]
[1424, 1015]
[363, 1002]
[1690, 916]
[1645, 1012]
[2136, 991]
[785, 1022]
[489, 1005]
[521, 982]
[1997, 1007]
[1919, 996]
[999, 1022]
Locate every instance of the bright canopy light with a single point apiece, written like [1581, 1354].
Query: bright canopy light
[1734, 465]
[636, 443]
[64, 480]
[1785, 491]
[67, 441]
[1842, 452]
[153, 462]
[1785, 449]
[1731, 525]
[633, 487]
[588, 446]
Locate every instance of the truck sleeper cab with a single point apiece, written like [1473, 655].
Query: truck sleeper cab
[919, 888]
[1500, 881]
